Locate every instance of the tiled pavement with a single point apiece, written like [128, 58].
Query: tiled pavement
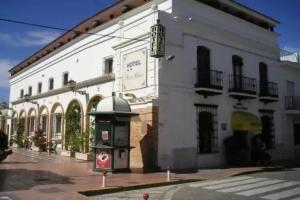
[31, 175]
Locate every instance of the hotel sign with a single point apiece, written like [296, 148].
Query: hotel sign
[135, 70]
[157, 40]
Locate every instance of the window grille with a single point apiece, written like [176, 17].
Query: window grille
[212, 143]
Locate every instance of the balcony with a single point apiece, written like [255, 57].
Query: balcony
[268, 92]
[210, 85]
[292, 104]
[242, 87]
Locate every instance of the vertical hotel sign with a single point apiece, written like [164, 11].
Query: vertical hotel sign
[135, 70]
[157, 40]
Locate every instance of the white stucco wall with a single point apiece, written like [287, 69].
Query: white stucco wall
[192, 24]
[171, 82]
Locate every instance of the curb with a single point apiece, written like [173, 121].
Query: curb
[248, 172]
[108, 190]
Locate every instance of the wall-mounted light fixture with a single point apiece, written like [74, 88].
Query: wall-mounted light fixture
[169, 57]
[72, 85]
[28, 100]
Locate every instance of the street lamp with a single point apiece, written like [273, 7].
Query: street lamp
[72, 85]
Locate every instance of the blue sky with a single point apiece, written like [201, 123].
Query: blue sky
[18, 41]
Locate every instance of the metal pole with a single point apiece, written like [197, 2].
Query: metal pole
[104, 178]
[168, 174]
[145, 196]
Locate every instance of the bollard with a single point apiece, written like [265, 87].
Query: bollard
[104, 178]
[168, 173]
[145, 196]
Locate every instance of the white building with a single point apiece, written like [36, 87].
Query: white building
[222, 64]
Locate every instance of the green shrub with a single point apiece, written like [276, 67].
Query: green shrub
[3, 140]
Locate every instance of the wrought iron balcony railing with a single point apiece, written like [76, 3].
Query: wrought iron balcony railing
[268, 89]
[213, 81]
[242, 84]
[292, 103]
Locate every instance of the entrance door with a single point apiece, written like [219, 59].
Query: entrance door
[267, 131]
[297, 134]
[205, 132]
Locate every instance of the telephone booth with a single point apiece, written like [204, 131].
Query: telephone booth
[112, 134]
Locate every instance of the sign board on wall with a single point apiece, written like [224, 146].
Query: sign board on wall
[157, 40]
[135, 70]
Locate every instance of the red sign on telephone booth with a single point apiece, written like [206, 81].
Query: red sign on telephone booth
[103, 158]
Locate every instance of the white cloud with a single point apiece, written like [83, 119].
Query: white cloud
[28, 39]
[292, 49]
[37, 38]
[5, 65]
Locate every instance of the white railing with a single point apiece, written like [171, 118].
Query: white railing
[289, 56]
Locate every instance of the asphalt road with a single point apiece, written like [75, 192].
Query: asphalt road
[270, 185]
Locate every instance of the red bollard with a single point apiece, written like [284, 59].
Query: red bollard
[145, 196]
[104, 178]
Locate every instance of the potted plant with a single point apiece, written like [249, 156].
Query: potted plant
[4, 151]
[18, 138]
[80, 153]
[73, 127]
[39, 142]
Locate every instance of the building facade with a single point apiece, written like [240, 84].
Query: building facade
[221, 71]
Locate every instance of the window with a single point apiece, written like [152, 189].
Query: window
[31, 124]
[65, 78]
[51, 83]
[108, 65]
[263, 77]
[14, 122]
[57, 125]
[29, 90]
[44, 120]
[207, 128]
[21, 93]
[263, 72]
[237, 63]
[39, 88]
[203, 66]
[297, 134]
[290, 88]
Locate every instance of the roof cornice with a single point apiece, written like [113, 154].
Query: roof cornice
[83, 27]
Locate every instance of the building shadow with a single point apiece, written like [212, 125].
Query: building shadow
[23, 179]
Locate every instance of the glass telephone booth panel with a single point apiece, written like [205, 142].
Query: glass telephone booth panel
[104, 133]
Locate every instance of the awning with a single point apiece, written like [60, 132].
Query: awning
[244, 121]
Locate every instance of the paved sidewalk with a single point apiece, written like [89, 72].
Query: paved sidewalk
[32, 175]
